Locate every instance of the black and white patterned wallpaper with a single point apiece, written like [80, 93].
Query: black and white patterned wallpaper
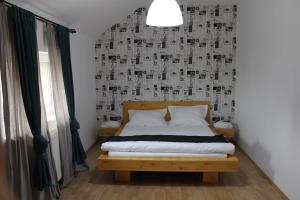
[195, 61]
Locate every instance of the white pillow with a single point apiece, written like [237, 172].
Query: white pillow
[147, 117]
[188, 115]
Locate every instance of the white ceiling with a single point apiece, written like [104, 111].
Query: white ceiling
[89, 16]
[92, 16]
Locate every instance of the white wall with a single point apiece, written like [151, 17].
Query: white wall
[268, 88]
[82, 53]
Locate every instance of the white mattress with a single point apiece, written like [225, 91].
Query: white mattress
[168, 147]
[145, 154]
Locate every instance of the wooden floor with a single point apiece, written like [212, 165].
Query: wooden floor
[248, 183]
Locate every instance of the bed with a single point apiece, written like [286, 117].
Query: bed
[211, 159]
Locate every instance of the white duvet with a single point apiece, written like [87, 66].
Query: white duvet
[168, 147]
[167, 130]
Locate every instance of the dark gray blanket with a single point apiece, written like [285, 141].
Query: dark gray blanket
[169, 138]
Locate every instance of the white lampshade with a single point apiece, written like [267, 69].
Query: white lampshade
[164, 13]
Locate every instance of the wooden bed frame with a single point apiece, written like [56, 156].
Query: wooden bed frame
[123, 166]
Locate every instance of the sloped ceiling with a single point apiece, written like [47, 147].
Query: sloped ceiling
[89, 16]
[94, 16]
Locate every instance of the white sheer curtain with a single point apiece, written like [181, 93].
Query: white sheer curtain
[54, 191]
[4, 190]
[47, 91]
[2, 126]
[16, 136]
[60, 104]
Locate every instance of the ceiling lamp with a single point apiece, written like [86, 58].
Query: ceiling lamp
[164, 13]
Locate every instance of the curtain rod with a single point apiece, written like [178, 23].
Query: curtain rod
[39, 17]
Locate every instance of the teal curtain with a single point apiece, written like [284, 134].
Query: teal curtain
[63, 36]
[24, 32]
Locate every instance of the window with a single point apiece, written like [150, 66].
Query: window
[46, 81]
[45, 74]
[47, 85]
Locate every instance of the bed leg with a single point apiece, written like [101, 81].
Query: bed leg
[210, 177]
[122, 176]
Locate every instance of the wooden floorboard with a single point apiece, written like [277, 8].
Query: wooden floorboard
[247, 184]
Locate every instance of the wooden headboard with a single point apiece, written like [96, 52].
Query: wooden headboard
[152, 105]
